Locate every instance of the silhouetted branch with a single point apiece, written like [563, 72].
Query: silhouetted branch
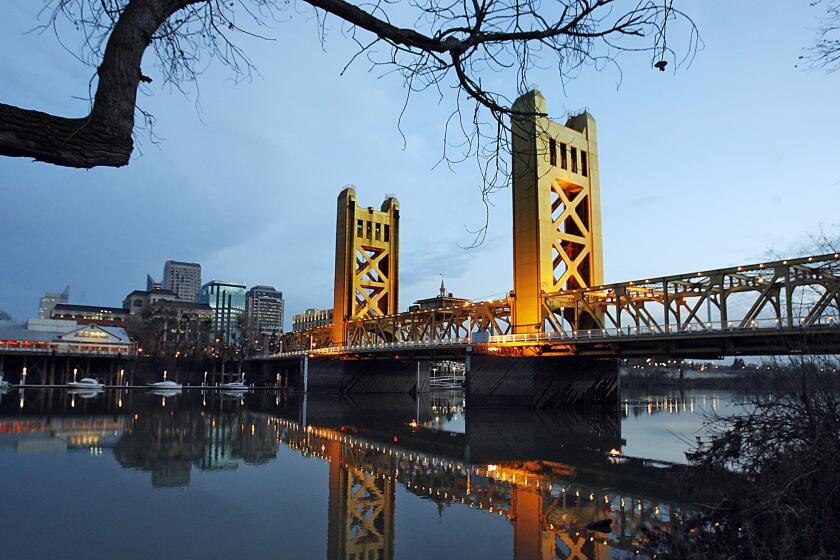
[449, 45]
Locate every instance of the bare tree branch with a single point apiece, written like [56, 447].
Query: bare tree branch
[825, 53]
[449, 45]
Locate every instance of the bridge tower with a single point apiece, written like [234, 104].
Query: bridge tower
[366, 261]
[360, 509]
[556, 209]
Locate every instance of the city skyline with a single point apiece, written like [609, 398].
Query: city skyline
[664, 192]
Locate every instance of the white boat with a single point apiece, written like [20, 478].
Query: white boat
[165, 392]
[235, 385]
[167, 385]
[86, 393]
[238, 385]
[87, 383]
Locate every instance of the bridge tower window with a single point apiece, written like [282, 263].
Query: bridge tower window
[583, 165]
[574, 160]
[564, 161]
[359, 228]
[552, 151]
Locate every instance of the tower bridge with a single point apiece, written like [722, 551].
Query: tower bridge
[556, 336]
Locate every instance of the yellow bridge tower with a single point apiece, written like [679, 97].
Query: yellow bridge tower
[556, 209]
[366, 261]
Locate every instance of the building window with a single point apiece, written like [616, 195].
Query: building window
[583, 164]
[552, 151]
[574, 160]
[564, 162]
[378, 230]
[369, 232]
[359, 228]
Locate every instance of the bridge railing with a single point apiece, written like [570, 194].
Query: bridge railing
[711, 328]
[714, 327]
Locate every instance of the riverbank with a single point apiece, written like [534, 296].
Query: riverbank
[718, 378]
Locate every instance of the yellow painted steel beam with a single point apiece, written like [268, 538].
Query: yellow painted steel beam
[366, 262]
[557, 242]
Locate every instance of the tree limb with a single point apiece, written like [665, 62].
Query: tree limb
[103, 137]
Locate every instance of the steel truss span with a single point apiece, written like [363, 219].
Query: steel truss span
[786, 306]
[560, 305]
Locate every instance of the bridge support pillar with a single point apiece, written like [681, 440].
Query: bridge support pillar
[541, 382]
[357, 376]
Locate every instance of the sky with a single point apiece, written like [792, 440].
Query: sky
[714, 164]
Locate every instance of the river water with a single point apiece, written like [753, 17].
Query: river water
[265, 474]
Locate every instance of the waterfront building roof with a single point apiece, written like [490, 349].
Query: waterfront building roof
[10, 331]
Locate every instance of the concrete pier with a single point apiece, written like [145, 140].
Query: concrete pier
[353, 376]
[541, 382]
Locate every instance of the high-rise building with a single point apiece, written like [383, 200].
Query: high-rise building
[227, 300]
[152, 284]
[49, 300]
[183, 278]
[312, 318]
[264, 307]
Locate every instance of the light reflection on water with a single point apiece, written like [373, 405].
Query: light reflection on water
[268, 475]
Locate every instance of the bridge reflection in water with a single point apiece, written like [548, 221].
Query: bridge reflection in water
[549, 474]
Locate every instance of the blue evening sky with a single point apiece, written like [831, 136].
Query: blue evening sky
[713, 165]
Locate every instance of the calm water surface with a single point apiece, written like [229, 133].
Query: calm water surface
[270, 475]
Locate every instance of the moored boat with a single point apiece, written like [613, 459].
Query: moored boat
[86, 383]
[166, 385]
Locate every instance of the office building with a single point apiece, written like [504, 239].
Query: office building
[312, 318]
[138, 300]
[227, 300]
[49, 300]
[264, 308]
[183, 278]
[152, 284]
[90, 314]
